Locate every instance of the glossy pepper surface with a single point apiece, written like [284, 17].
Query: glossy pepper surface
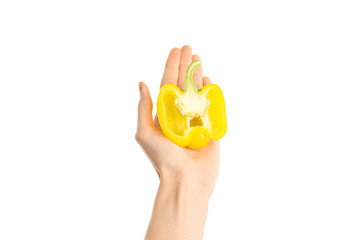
[190, 117]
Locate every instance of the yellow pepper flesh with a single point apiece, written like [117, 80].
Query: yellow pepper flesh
[203, 116]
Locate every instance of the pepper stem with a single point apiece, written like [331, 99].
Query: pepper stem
[189, 79]
[190, 103]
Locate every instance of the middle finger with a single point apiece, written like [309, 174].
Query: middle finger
[186, 58]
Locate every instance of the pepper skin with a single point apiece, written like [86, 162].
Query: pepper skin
[190, 117]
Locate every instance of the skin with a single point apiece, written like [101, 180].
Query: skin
[187, 177]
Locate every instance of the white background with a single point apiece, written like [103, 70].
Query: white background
[291, 74]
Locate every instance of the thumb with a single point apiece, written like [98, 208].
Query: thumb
[145, 121]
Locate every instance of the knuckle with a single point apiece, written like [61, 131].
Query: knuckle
[140, 136]
[171, 66]
[184, 65]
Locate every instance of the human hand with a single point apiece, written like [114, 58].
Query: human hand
[179, 166]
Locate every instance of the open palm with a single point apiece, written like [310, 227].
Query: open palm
[200, 166]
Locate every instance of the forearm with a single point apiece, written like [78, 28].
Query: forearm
[178, 213]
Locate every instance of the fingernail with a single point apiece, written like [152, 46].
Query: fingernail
[140, 86]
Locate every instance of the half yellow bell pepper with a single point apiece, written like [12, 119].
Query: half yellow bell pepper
[190, 117]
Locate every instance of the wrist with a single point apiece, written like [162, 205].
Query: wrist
[186, 188]
[187, 185]
[180, 209]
